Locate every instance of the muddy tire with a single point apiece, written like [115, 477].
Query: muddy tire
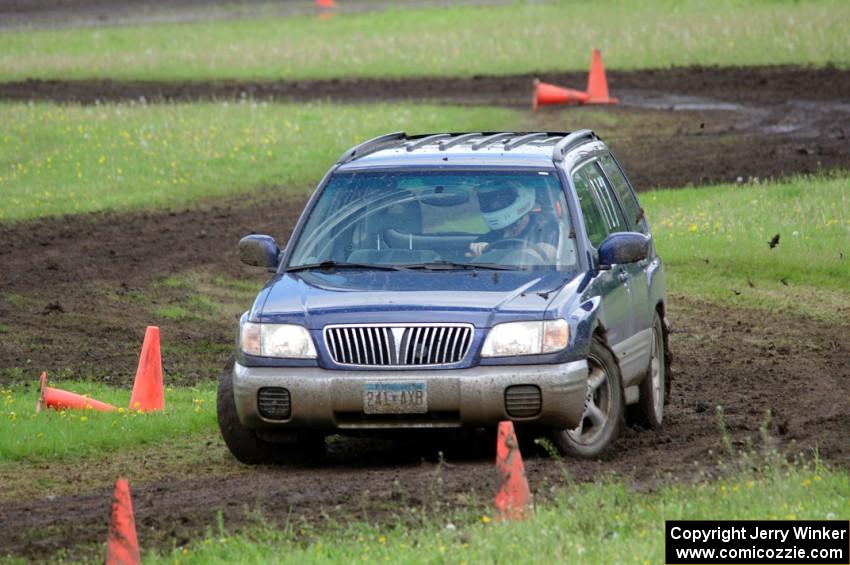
[242, 442]
[649, 411]
[603, 410]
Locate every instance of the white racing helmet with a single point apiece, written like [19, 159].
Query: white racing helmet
[503, 203]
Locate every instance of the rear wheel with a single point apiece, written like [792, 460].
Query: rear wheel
[649, 412]
[603, 407]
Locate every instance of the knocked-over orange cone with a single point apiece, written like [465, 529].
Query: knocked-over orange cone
[513, 501]
[122, 547]
[548, 94]
[148, 394]
[597, 83]
[59, 399]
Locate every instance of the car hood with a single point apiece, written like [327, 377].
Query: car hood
[483, 298]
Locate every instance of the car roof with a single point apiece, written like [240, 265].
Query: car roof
[491, 149]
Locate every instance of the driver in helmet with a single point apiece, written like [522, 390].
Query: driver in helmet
[507, 209]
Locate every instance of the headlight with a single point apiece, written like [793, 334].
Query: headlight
[277, 340]
[526, 338]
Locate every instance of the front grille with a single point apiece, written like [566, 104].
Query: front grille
[523, 401]
[398, 345]
[274, 403]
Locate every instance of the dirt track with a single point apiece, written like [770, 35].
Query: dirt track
[760, 86]
[674, 127]
[748, 362]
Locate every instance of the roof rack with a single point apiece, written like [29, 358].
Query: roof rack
[374, 144]
[490, 139]
[576, 138]
[565, 142]
[458, 140]
[524, 139]
[416, 144]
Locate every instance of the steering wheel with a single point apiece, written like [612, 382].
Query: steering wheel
[508, 242]
[521, 246]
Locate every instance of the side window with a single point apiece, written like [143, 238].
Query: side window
[593, 220]
[634, 213]
[607, 201]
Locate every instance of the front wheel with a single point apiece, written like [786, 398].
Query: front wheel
[242, 442]
[603, 408]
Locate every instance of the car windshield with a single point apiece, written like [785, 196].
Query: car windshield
[438, 220]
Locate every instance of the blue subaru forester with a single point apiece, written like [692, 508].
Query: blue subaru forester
[454, 280]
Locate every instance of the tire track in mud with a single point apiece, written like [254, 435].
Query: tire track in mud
[681, 126]
[760, 86]
[749, 362]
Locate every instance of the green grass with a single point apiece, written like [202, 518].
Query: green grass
[197, 307]
[72, 159]
[443, 41]
[586, 523]
[29, 436]
[176, 313]
[715, 243]
[176, 282]
[202, 297]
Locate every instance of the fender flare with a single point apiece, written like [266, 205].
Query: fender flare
[584, 322]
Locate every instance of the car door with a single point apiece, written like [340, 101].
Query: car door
[635, 222]
[600, 218]
[631, 345]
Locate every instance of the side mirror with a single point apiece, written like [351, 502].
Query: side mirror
[259, 251]
[624, 247]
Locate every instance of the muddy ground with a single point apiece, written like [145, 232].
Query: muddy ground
[77, 292]
[674, 127]
[749, 362]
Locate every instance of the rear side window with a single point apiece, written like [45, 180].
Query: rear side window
[634, 214]
[602, 215]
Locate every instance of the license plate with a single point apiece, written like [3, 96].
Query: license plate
[395, 398]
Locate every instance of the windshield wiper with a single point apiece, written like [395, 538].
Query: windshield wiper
[451, 265]
[331, 265]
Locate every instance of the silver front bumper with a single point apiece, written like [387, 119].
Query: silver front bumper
[472, 397]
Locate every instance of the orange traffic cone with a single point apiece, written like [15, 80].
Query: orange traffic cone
[547, 94]
[63, 400]
[597, 84]
[513, 501]
[325, 3]
[122, 546]
[148, 394]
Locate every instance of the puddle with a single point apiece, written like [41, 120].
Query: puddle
[680, 103]
[781, 128]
